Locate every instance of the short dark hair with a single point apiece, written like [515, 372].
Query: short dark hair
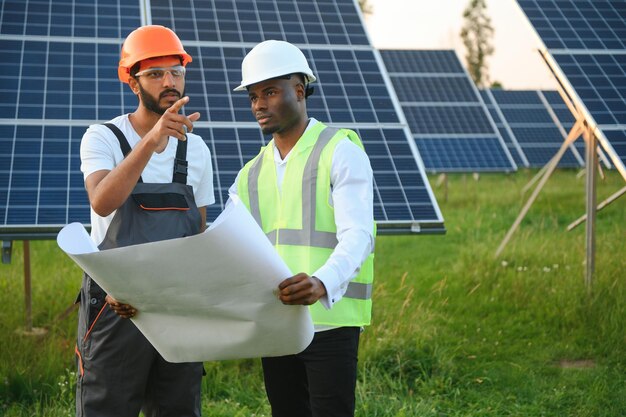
[134, 70]
[302, 77]
[308, 90]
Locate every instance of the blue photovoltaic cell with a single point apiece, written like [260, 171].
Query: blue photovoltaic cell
[59, 75]
[425, 120]
[507, 135]
[617, 140]
[536, 134]
[564, 115]
[541, 155]
[565, 118]
[422, 62]
[509, 141]
[524, 115]
[578, 24]
[518, 98]
[433, 89]
[437, 152]
[61, 80]
[69, 18]
[319, 22]
[587, 40]
[41, 182]
[600, 82]
[448, 120]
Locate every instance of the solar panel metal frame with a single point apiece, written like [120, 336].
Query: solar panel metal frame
[431, 224]
[553, 47]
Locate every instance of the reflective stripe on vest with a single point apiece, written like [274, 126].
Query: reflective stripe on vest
[308, 235]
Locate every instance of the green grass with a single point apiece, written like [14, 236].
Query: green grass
[455, 331]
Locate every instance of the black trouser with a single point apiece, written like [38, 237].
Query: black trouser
[318, 382]
[121, 373]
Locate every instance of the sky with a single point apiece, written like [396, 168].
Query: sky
[436, 24]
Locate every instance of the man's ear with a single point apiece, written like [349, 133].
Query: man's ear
[300, 91]
[132, 83]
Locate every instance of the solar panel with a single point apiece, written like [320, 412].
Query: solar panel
[448, 120]
[617, 140]
[61, 80]
[578, 24]
[565, 116]
[534, 131]
[321, 22]
[600, 81]
[77, 18]
[585, 46]
[59, 75]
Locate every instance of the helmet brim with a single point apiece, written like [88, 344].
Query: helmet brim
[310, 78]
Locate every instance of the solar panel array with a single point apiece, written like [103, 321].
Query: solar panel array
[59, 75]
[586, 48]
[534, 133]
[448, 120]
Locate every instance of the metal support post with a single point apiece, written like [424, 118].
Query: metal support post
[591, 163]
[27, 289]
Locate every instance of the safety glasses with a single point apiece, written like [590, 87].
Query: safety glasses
[157, 74]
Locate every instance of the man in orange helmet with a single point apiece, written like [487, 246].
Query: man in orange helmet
[148, 179]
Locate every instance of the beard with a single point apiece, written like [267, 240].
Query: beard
[151, 103]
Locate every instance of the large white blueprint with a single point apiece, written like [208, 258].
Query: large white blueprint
[205, 297]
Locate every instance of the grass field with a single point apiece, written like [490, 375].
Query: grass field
[455, 331]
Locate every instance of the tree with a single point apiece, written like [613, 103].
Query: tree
[476, 34]
[365, 6]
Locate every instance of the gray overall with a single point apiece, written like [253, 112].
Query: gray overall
[119, 372]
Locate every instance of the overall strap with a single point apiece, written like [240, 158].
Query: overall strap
[180, 163]
[124, 145]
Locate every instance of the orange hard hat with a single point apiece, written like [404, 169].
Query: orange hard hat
[149, 42]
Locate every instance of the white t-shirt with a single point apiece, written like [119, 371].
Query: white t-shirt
[100, 150]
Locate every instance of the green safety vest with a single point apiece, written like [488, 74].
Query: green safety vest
[300, 222]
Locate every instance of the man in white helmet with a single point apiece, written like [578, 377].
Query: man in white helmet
[310, 190]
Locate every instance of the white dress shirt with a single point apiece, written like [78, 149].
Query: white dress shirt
[352, 199]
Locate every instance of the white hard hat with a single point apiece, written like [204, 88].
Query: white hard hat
[271, 59]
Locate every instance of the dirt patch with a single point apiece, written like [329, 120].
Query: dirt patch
[577, 364]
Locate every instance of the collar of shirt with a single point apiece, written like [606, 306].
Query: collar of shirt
[281, 164]
[282, 161]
